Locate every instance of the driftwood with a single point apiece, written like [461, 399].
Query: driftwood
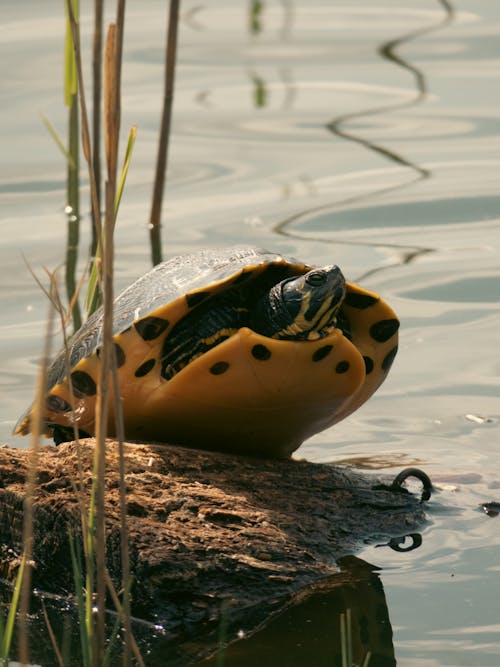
[206, 531]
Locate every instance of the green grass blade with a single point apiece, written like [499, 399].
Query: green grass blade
[222, 635]
[2, 635]
[349, 636]
[112, 641]
[70, 75]
[11, 617]
[343, 641]
[58, 140]
[89, 615]
[85, 635]
[93, 296]
[126, 163]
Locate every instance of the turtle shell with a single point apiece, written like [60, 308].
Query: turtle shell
[249, 394]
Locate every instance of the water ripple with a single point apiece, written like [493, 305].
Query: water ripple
[389, 51]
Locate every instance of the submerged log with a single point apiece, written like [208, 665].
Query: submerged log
[206, 530]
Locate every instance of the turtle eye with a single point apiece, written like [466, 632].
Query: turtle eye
[316, 278]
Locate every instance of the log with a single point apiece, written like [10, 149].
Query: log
[206, 530]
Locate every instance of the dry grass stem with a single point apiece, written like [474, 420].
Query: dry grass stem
[123, 615]
[111, 117]
[163, 144]
[52, 636]
[96, 108]
[37, 419]
[112, 114]
[86, 144]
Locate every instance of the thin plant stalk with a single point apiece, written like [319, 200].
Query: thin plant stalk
[85, 631]
[119, 608]
[52, 636]
[98, 637]
[71, 155]
[222, 635]
[114, 194]
[36, 431]
[73, 213]
[126, 164]
[86, 514]
[96, 111]
[72, 178]
[124, 544]
[85, 132]
[163, 144]
[112, 120]
[57, 139]
[112, 111]
[8, 629]
[87, 522]
[92, 299]
[346, 642]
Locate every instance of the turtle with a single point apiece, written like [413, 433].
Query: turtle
[234, 349]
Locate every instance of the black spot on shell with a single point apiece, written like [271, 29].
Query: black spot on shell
[151, 327]
[196, 298]
[342, 367]
[383, 330]
[57, 404]
[83, 384]
[145, 368]
[120, 355]
[322, 352]
[361, 301]
[368, 365]
[389, 358]
[261, 352]
[219, 368]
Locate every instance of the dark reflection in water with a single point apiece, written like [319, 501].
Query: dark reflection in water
[389, 51]
[309, 632]
[256, 17]
[345, 615]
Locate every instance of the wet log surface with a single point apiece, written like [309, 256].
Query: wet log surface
[206, 530]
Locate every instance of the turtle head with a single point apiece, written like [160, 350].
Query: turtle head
[301, 307]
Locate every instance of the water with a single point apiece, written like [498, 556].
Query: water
[361, 133]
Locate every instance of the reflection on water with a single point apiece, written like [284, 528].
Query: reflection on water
[342, 617]
[313, 631]
[361, 133]
[338, 126]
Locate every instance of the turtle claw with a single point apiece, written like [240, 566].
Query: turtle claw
[418, 474]
[397, 484]
[398, 543]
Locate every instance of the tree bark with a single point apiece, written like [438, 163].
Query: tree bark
[207, 531]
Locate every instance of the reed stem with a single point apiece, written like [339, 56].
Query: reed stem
[163, 144]
[73, 202]
[31, 481]
[96, 111]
